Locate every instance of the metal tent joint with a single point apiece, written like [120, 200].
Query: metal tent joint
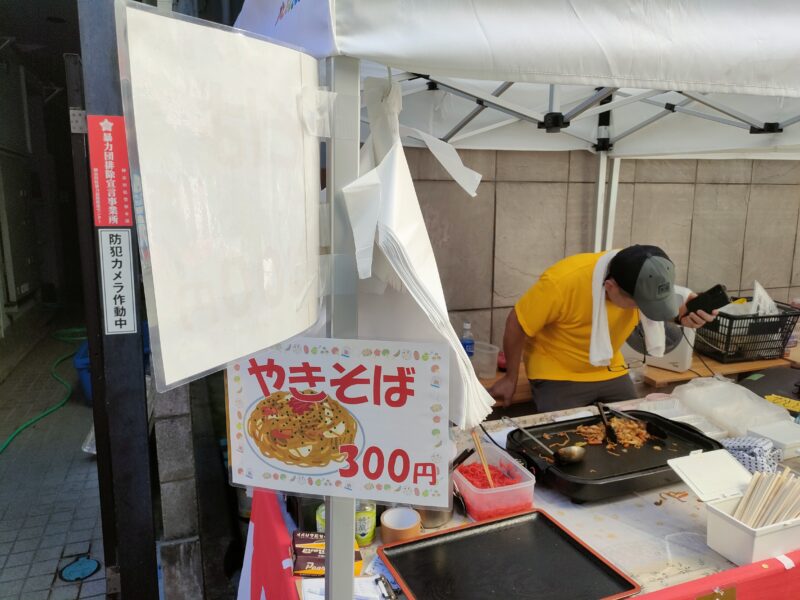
[772, 127]
[553, 122]
[603, 144]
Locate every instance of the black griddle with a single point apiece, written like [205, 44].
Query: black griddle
[602, 475]
[527, 556]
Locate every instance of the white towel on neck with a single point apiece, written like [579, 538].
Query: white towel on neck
[600, 350]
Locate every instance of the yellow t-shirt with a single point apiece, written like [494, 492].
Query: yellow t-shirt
[556, 314]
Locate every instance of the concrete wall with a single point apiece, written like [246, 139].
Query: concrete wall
[728, 221]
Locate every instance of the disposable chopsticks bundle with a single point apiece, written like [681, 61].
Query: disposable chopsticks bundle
[770, 498]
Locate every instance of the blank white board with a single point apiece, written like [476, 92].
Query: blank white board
[225, 185]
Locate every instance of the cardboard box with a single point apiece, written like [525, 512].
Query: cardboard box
[720, 480]
[308, 550]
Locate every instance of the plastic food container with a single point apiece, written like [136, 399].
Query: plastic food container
[484, 360]
[784, 435]
[719, 480]
[663, 405]
[489, 503]
[704, 425]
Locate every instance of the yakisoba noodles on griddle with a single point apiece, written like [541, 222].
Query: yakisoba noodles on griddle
[306, 433]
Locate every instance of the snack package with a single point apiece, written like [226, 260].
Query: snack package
[308, 550]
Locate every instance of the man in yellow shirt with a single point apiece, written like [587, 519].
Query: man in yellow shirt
[552, 323]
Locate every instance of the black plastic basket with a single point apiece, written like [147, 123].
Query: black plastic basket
[731, 338]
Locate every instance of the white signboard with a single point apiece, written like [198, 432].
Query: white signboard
[225, 184]
[356, 418]
[116, 273]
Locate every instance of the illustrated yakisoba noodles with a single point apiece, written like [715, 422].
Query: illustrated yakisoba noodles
[306, 433]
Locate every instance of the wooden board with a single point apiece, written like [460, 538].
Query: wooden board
[661, 377]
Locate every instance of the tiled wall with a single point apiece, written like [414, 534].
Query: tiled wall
[728, 221]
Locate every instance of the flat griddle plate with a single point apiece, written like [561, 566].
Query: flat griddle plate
[527, 556]
[598, 463]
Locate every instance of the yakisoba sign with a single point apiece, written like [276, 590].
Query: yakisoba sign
[359, 418]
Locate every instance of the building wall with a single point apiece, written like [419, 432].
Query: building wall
[727, 221]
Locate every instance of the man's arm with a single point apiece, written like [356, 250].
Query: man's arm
[513, 344]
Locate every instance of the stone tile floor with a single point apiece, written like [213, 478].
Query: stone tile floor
[49, 499]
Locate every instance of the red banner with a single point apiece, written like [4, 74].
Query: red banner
[108, 161]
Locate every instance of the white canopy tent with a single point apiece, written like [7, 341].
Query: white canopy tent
[736, 64]
[624, 78]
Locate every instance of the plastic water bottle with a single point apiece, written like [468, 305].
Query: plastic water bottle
[467, 339]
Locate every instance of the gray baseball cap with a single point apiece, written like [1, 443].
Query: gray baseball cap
[648, 275]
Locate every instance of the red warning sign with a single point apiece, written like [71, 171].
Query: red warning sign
[108, 161]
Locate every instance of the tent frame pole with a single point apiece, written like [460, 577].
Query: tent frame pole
[553, 98]
[486, 99]
[788, 122]
[591, 101]
[601, 200]
[341, 169]
[501, 89]
[724, 109]
[623, 101]
[650, 121]
[612, 203]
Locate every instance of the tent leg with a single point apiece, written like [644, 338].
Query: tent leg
[342, 168]
[612, 203]
[601, 200]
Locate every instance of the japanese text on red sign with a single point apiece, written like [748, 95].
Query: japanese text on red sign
[108, 157]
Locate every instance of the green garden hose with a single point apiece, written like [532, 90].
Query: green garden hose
[69, 336]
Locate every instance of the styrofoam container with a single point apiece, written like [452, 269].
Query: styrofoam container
[720, 480]
[663, 405]
[707, 427]
[488, 503]
[784, 435]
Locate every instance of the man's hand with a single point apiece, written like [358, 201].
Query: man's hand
[503, 390]
[694, 320]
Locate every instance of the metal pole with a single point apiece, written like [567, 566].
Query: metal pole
[91, 306]
[122, 360]
[501, 89]
[724, 109]
[553, 99]
[601, 200]
[594, 99]
[341, 169]
[612, 203]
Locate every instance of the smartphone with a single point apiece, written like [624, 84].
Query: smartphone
[710, 300]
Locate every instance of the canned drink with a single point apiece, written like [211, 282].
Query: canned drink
[321, 518]
[365, 522]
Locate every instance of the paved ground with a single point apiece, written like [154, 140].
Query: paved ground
[49, 500]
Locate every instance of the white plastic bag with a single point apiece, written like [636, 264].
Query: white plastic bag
[728, 405]
[762, 302]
